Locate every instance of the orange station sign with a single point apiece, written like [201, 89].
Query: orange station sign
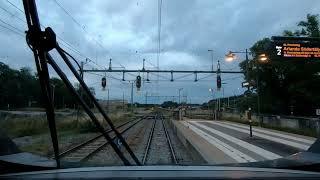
[298, 47]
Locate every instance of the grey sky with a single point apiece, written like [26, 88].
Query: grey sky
[189, 29]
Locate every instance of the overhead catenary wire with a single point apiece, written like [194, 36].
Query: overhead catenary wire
[159, 31]
[151, 64]
[90, 61]
[121, 66]
[72, 18]
[205, 77]
[75, 59]
[108, 75]
[158, 75]
[20, 32]
[11, 14]
[159, 39]
[13, 31]
[184, 76]
[78, 23]
[69, 46]
[23, 21]
[15, 28]
[97, 74]
[64, 42]
[15, 6]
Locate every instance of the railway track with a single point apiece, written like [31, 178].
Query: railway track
[159, 149]
[87, 149]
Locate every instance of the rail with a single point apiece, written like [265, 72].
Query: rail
[173, 155]
[146, 152]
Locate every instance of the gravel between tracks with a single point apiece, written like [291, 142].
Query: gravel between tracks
[137, 138]
[107, 156]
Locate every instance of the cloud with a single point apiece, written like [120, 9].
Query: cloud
[127, 32]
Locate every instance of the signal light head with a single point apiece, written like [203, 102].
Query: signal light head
[104, 82]
[138, 82]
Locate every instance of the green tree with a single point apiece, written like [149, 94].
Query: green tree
[168, 104]
[310, 27]
[283, 85]
[20, 87]
[62, 97]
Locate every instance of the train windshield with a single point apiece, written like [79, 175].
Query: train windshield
[158, 82]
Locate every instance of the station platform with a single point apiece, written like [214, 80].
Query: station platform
[224, 142]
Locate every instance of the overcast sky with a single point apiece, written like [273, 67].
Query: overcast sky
[127, 32]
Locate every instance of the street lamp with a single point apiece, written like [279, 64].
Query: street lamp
[231, 56]
[262, 58]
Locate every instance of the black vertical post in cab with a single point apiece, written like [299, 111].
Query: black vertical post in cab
[39, 46]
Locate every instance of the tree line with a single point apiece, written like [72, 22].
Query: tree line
[21, 88]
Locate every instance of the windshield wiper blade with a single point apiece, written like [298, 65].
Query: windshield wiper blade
[41, 42]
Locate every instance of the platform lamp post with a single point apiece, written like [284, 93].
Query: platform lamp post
[262, 58]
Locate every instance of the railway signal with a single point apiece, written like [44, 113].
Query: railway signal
[219, 82]
[138, 82]
[104, 82]
[218, 76]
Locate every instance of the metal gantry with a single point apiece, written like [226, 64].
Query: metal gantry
[148, 71]
[160, 71]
